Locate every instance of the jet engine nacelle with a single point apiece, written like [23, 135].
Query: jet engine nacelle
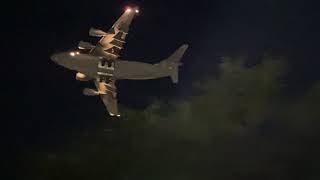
[97, 32]
[85, 45]
[81, 77]
[90, 92]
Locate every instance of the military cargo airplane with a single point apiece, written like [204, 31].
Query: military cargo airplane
[101, 63]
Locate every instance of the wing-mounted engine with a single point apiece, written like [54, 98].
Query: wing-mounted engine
[85, 45]
[90, 92]
[82, 77]
[107, 88]
[97, 32]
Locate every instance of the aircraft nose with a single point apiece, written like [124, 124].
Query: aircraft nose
[57, 58]
[54, 57]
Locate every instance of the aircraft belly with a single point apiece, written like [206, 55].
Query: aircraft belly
[90, 71]
[137, 70]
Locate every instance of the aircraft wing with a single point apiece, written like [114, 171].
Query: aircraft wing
[112, 41]
[108, 94]
[111, 104]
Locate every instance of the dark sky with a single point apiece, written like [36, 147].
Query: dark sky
[49, 102]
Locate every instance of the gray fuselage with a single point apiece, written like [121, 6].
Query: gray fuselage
[96, 67]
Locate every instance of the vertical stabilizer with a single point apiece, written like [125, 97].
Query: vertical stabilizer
[173, 62]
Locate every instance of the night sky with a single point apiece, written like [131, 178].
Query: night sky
[267, 130]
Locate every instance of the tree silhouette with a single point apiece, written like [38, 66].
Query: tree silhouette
[240, 126]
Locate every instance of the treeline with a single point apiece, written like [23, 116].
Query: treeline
[241, 125]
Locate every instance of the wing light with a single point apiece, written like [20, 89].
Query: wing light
[111, 114]
[137, 11]
[128, 10]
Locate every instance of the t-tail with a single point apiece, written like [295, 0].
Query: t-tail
[174, 61]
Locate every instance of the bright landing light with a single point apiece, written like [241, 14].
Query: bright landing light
[74, 53]
[128, 10]
[137, 11]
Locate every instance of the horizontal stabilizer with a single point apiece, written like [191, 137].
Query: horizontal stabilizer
[85, 45]
[97, 32]
[90, 92]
